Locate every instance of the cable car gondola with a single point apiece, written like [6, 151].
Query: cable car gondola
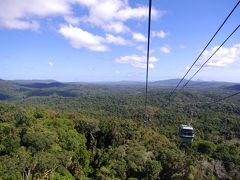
[186, 134]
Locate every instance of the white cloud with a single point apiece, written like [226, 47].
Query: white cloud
[20, 24]
[223, 57]
[80, 38]
[137, 61]
[23, 14]
[72, 20]
[111, 14]
[50, 63]
[165, 49]
[142, 49]
[117, 27]
[115, 40]
[160, 34]
[135, 13]
[139, 37]
[182, 46]
[188, 67]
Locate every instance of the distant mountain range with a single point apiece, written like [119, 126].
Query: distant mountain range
[194, 84]
[161, 83]
[173, 82]
[24, 88]
[43, 85]
[34, 81]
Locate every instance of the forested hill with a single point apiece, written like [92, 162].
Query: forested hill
[24, 88]
[54, 130]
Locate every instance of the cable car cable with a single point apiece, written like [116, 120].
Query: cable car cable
[214, 102]
[222, 99]
[210, 57]
[172, 92]
[186, 132]
[148, 46]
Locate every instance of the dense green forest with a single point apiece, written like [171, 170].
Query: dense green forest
[96, 131]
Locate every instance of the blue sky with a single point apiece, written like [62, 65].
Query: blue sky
[105, 40]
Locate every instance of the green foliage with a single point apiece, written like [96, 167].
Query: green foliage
[153, 169]
[206, 147]
[9, 168]
[9, 138]
[98, 133]
[39, 139]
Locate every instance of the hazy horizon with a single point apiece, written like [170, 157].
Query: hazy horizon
[198, 80]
